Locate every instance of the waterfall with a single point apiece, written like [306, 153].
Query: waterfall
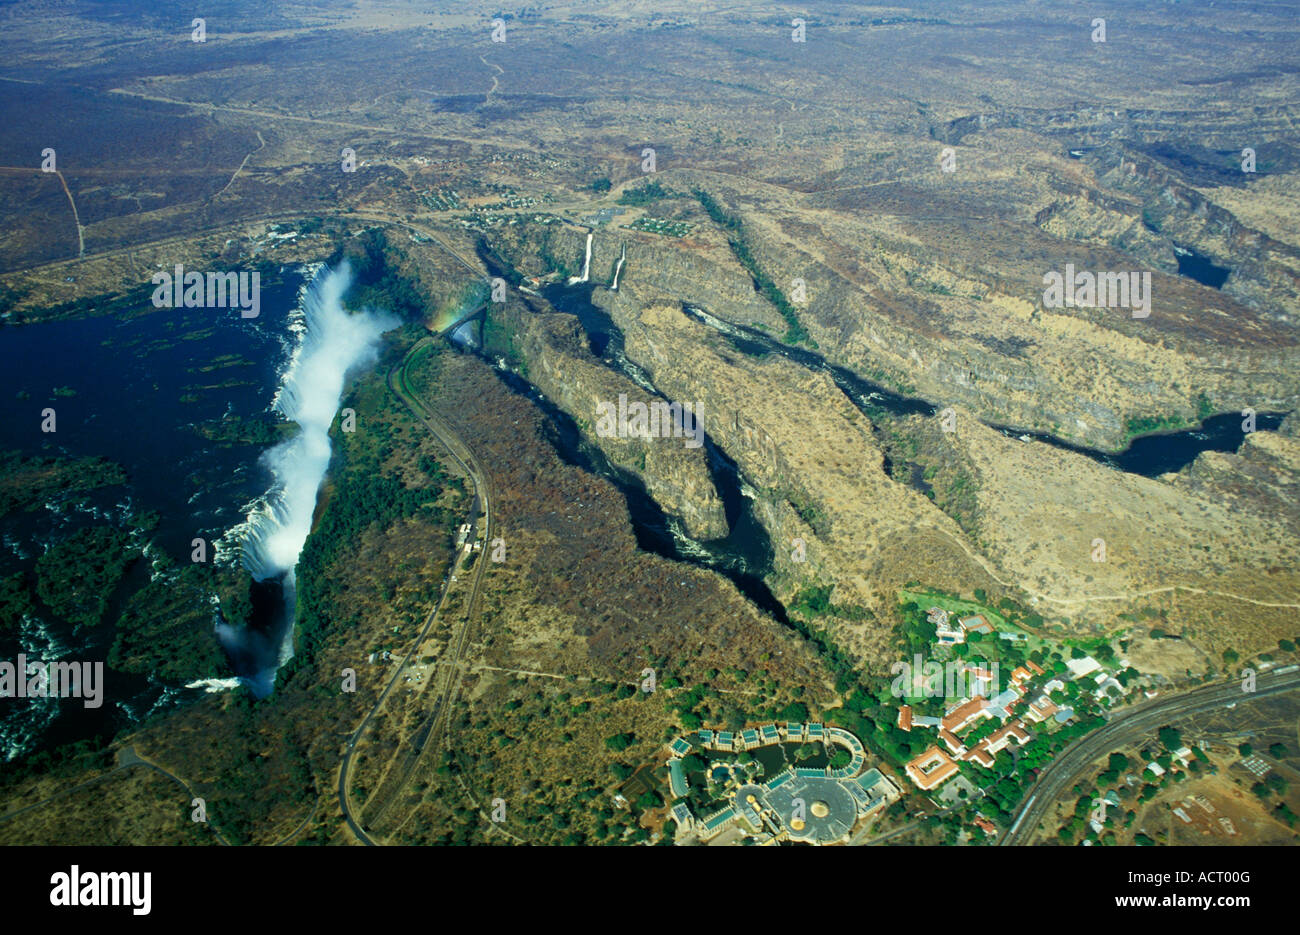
[586, 265]
[331, 344]
[621, 257]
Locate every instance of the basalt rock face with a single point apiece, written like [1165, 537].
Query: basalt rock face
[558, 363]
[950, 307]
[1220, 537]
[691, 271]
[835, 517]
[953, 311]
[1265, 272]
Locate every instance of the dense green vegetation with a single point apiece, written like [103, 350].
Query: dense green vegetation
[1204, 408]
[360, 500]
[644, 194]
[546, 253]
[15, 601]
[1143, 425]
[919, 634]
[619, 742]
[263, 429]
[378, 284]
[808, 510]
[498, 338]
[815, 602]
[26, 483]
[763, 284]
[70, 759]
[165, 628]
[76, 577]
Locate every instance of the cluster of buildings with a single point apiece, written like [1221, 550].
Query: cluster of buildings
[754, 737]
[602, 216]
[937, 765]
[815, 805]
[1087, 668]
[951, 630]
[1102, 807]
[940, 762]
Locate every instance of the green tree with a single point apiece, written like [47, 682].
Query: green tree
[619, 741]
[693, 763]
[794, 711]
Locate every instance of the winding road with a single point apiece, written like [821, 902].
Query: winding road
[127, 757]
[1127, 727]
[469, 463]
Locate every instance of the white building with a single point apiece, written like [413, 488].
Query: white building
[1081, 667]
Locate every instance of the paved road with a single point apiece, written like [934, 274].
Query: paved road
[861, 840]
[452, 669]
[1126, 727]
[127, 757]
[465, 457]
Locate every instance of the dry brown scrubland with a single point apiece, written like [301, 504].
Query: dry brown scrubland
[575, 606]
[125, 807]
[797, 437]
[1042, 508]
[1225, 527]
[942, 295]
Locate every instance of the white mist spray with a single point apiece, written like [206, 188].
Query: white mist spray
[332, 343]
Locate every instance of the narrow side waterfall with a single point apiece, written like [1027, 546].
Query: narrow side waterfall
[331, 344]
[586, 265]
[621, 257]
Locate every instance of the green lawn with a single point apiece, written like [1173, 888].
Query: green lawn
[991, 647]
[963, 608]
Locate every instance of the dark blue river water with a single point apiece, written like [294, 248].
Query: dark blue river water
[139, 398]
[135, 388]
